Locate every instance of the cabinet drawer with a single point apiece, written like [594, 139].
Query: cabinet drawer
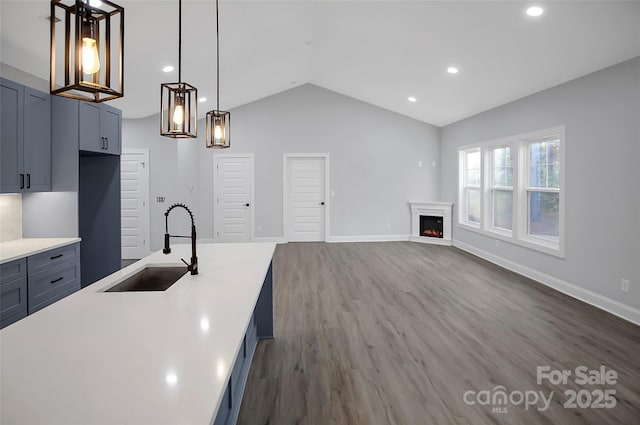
[225, 407]
[52, 284]
[13, 300]
[13, 270]
[44, 260]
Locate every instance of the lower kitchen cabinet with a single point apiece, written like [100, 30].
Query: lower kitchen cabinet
[260, 326]
[13, 291]
[30, 284]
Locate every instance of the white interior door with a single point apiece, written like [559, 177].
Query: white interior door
[306, 209]
[233, 186]
[134, 181]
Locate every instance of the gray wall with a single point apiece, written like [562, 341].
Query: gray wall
[601, 112]
[373, 158]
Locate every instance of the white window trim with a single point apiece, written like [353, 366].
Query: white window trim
[519, 234]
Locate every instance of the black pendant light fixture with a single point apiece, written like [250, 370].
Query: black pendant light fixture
[218, 122]
[179, 101]
[93, 46]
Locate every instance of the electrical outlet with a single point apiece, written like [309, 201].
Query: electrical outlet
[160, 199]
[624, 285]
[419, 163]
[259, 228]
[497, 242]
[333, 193]
[388, 226]
[434, 164]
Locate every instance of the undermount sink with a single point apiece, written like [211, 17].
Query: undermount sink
[151, 278]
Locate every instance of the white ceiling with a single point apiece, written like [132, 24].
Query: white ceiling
[380, 52]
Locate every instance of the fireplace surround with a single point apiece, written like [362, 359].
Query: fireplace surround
[431, 222]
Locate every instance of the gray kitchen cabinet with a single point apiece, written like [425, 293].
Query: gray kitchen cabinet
[13, 291]
[260, 326]
[52, 275]
[25, 129]
[32, 283]
[37, 140]
[100, 128]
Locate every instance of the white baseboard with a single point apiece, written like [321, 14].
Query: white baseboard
[369, 238]
[612, 306]
[276, 239]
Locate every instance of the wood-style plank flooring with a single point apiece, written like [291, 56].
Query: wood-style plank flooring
[397, 332]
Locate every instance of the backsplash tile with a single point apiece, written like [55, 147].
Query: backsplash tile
[10, 217]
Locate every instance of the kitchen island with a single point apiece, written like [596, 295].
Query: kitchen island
[167, 357]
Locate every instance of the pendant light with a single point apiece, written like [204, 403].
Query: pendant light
[179, 101]
[218, 122]
[93, 46]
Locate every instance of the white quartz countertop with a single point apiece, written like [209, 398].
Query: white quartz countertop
[135, 357]
[20, 248]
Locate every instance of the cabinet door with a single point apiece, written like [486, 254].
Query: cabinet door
[90, 137]
[110, 122]
[11, 136]
[37, 140]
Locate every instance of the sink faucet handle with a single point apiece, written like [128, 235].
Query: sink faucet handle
[187, 264]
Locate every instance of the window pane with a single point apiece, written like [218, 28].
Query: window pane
[544, 215]
[554, 176]
[503, 176]
[473, 160]
[502, 209]
[502, 167]
[472, 172]
[473, 178]
[473, 205]
[544, 164]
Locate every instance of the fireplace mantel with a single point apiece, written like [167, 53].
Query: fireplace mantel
[435, 209]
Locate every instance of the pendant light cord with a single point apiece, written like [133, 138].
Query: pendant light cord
[217, 61]
[179, 41]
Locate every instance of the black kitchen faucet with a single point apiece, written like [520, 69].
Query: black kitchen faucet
[193, 267]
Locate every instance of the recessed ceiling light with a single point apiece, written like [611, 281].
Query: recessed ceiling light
[411, 99]
[202, 99]
[452, 70]
[167, 68]
[535, 11]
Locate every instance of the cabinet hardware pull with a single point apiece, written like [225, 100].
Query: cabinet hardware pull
[107, 139]
[57, 280]
[21, 181]
[102, 143]
[28, 180]
[57, 256]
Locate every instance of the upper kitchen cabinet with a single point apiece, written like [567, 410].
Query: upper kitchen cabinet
[25, 129]
[100, 126]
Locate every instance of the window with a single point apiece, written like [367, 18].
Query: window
[471, 173]
[512, 189]
[543, 188]
[502, 188]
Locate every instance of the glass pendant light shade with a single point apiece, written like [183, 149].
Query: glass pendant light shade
[218, 129]
[179, 109]
[87, 57]
[179, 101]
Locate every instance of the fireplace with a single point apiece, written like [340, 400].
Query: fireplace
[431, 222]
[431, 226]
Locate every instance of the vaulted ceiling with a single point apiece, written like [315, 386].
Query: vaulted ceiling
[380, 52]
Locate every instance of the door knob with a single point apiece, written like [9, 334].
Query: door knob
[321, 203]
[246, 205]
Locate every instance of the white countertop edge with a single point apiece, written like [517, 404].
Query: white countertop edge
[25, 247]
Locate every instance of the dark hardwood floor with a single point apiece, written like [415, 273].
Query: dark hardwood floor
[398, 332]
